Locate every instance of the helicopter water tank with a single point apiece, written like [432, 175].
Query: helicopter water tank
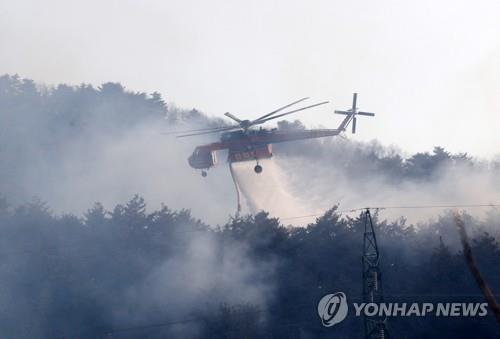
[254, 153]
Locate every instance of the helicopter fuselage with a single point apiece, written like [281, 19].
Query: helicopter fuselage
[250, 145]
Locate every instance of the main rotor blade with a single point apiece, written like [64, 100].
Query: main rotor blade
[209, 132]
[229, 115]
[280, 109]
[294, 111]
[194, 130]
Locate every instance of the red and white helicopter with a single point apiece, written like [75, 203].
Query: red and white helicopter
[244, 143]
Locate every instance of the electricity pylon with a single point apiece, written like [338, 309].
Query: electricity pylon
[375, 327]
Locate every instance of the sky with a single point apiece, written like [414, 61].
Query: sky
[429, 69]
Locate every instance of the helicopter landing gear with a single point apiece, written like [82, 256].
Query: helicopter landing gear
[257, 168]
[203, 174]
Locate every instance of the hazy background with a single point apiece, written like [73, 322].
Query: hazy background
[429, 69]
[71, 268]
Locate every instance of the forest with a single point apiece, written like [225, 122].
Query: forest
[125, 268]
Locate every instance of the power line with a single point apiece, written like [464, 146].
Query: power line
[434, 206]
[395, 207]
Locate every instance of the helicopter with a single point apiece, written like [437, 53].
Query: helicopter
[246, 143]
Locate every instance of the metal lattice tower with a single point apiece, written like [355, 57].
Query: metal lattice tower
[375, 327]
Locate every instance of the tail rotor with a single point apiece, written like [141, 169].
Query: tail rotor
[351, 114]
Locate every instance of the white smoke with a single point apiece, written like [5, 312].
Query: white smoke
[324, 185]
[111, 169]
[205, 272]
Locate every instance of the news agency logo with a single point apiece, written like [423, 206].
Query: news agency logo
[332, 309]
